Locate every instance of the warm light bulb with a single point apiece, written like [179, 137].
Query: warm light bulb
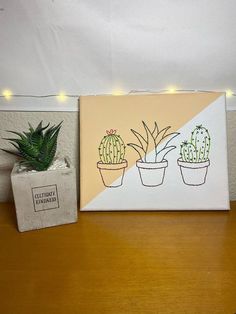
[229, 93]
[7, 94]
[172, 90]
[118, 92]
[61, 96]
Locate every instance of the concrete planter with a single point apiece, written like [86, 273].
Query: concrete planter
[45, 198]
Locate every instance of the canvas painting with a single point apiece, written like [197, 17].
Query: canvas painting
[153, 152]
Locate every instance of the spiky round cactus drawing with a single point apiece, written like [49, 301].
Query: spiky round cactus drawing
[112, 163]
[188, 152]
[111, 148]
[194, 160]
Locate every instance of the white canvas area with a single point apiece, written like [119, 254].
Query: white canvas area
[173, 194]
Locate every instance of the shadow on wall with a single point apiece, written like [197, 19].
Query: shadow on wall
[5, 184]
[6, 165]
[77, 152]
[231, 131]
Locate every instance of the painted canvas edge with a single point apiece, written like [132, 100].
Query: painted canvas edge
[226, 150]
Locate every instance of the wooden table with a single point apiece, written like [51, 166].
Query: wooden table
[140, 262]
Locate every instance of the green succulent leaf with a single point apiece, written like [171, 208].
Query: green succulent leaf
[37, 148]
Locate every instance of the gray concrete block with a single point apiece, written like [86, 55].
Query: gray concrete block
[45, 198]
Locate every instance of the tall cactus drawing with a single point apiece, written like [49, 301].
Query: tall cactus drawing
[111, 148]
[112, 163]
[201, 140]
[194, 160]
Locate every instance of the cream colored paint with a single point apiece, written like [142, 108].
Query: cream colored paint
[68, 142]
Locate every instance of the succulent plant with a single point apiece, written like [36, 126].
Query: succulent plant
[37, 147]
[154, 146]
[198, 148]
[112, 148]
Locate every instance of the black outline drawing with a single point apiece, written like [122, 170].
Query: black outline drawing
[152, 142]
[164, 164]
[194, 156]
[44, 186]
[112, 156]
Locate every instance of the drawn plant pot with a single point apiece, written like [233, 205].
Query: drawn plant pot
[152, 173]
[193, 173]
[112, 174]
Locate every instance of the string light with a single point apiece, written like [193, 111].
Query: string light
[61, 97]
[172, 90]
[229, 93]
[118, 92]
[7, 94]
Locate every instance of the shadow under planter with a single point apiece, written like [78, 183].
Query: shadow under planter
[44, 198]
[193, 173]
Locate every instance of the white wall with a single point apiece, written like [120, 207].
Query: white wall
[94, 47]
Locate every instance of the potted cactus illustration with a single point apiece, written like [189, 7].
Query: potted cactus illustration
[152, 150]
[112, 163]
[194, 160]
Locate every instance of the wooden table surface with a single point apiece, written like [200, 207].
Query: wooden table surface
[130, 262]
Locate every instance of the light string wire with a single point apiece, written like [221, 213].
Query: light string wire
[228, 93]
[39, 96]
[8, 96]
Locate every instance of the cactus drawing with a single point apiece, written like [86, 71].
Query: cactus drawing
[188, 152]
[194, 160]
[201, 140]
[111, 148]
[112, 163]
